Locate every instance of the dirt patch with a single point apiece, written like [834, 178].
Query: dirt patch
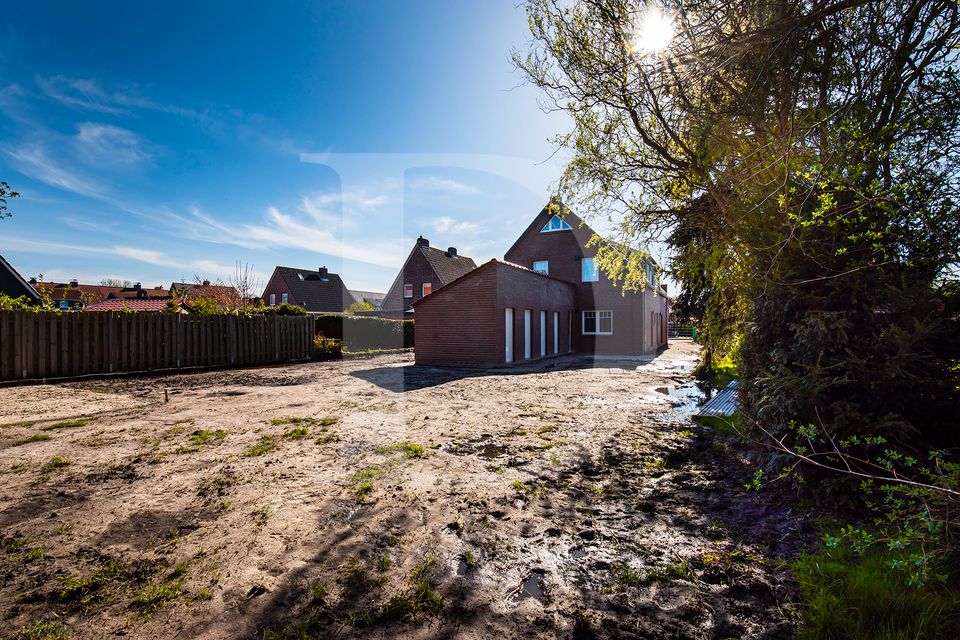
[376, 498]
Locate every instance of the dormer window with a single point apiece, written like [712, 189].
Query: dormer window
[556, 224]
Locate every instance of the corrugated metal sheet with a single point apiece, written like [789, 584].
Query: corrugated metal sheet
[721, 405]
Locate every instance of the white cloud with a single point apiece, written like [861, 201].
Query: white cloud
[100, 144]
[434, 183]
[142, 255]
[33, 160]
[446, 224]
[146, 256]
[87, 94]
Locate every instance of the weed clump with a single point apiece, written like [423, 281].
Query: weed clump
[37, 437]
[407, 448]
[68, 424]
[265, 445]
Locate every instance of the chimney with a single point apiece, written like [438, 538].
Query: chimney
[323, 273]
[452, 252]
[663, 285]
[74, 284]
[136, 287]
[423, 242]
[33, 281]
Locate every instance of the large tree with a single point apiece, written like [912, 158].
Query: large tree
[800, 157]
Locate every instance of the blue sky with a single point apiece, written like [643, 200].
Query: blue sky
[158, 141]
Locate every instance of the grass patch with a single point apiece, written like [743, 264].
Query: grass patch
[729, 426]
[37, 437]
[265, 445]
[297, 433]
[207, 435]
[13, 425]
[56, 462]
[87, 593]
[625, 576]
[407, 448]
[43, 631]
[858, 598]
[363, 480]
[12, 544]
[423, 599]
[260, 517]
[656, 465]
[155, 596]
[68, 424]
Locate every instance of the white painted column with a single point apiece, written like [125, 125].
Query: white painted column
[508, 330]
[526, 332]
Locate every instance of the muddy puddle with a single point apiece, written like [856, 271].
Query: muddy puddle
[688, 397]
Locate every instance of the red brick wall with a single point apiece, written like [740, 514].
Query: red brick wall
[464, 325]
[277, 285]
[522, 290]
[564, 250]
[457, 326]
[415, 271]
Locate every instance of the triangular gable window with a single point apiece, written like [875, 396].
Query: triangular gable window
[555, 224]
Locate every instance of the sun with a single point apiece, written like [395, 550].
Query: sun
[653, 33]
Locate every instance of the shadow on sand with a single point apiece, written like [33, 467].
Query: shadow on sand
[413, 377]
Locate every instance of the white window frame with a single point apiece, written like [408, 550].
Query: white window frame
[407, 291]
[561, 225]
[597, 316]
[284, 298]
[423, 289]
[595, 270]
[546, 267]
[273, 299]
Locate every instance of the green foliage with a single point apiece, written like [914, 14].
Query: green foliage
[15, 304]
[154, 597]
[359, 306]
[282, 310]
[6, 192]
[407, 448]
[206, 306]
[265, 445]
[853, 596]
[36, 437]
[67, 424]
[43, 630]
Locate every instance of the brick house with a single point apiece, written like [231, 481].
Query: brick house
[12, 283]
[316, 291]
[547, 298]
[425, 270]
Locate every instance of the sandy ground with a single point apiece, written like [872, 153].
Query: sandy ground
[573, 501]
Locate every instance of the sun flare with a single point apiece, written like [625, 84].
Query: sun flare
[653, 33]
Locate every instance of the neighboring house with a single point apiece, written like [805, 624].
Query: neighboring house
[372, 298]
[548, 298]
[73, 296]
[223, 294]
[425, 270]
[147, 305]
[13, 284]
[316, 291]
[138, 292]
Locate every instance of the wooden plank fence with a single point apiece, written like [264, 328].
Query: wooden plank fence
[36, 346]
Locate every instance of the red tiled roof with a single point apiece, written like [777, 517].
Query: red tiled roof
[130, 304]
[62, 291]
